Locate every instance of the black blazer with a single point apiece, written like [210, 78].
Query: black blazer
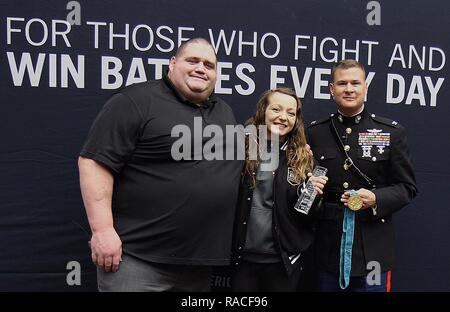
[293, 232]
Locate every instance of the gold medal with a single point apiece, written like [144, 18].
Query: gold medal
[355, 201]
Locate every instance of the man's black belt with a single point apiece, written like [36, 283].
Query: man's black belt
[335, 197]
[332, 197]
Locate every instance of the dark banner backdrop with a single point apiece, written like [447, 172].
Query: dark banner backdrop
[60, 60]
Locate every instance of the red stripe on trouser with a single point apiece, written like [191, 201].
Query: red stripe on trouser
[388, 281]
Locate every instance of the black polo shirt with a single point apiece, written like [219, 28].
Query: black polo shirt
[166, 210]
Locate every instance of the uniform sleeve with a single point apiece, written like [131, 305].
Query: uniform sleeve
[114, 133]
[401, 187]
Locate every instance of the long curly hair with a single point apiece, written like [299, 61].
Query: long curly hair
[298, 158]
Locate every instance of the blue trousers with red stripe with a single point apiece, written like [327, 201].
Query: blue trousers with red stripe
[329, 282]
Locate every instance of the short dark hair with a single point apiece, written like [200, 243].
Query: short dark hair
[194, 40]
[346, 64]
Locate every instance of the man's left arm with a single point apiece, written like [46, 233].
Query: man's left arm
[401, 183]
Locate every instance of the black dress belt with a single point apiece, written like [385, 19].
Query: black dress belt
[332, 197]
[335, 197]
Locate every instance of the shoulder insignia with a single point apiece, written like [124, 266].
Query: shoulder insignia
[385, 121]
[319, 121]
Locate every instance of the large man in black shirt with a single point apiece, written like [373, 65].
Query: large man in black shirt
[370, 178]
[159, 223]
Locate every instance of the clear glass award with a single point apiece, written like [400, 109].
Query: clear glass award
[308, 194]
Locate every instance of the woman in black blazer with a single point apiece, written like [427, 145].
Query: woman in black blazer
[270, 236]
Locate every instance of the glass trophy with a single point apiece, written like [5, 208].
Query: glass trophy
[308, 194]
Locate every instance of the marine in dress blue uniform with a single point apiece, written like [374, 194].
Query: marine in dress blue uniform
[368, 154]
